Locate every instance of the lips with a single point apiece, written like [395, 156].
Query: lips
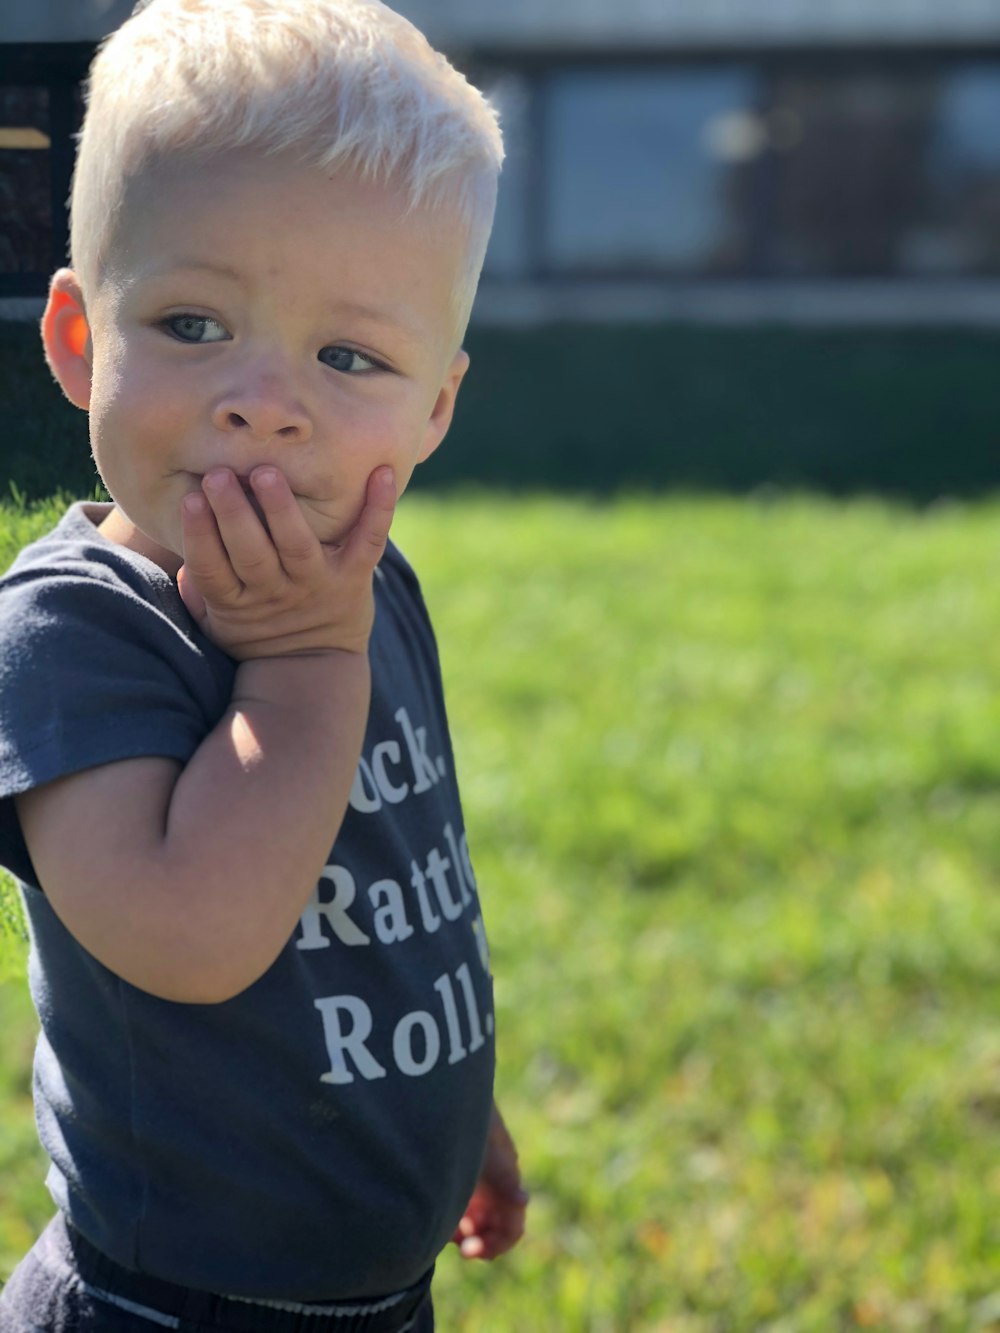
[244, 481]
[198, 477]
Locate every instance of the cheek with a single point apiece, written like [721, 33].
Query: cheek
[129, 405]
[355, 438]
[398, 432]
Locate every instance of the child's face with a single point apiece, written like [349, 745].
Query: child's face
[262, 312]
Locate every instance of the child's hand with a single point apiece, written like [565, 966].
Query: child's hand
[277, 591]
[494, 1219]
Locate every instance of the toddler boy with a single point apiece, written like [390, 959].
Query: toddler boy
[264, 1075]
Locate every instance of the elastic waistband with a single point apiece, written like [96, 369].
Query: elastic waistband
[165, 1304]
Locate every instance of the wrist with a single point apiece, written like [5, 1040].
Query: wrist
[301, 679]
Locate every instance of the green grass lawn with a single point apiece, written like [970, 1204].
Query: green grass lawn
[732, 782]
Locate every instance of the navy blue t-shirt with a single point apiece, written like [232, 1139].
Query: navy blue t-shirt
[317, 1136]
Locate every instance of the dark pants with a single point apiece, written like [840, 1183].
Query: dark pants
[64, 1286]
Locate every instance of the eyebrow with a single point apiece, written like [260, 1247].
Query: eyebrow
[387, 318]
[374, 315]
[197, 265]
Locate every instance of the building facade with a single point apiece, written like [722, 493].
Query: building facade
[667, 159]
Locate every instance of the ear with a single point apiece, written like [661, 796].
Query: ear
[66, 338]
[444, 407]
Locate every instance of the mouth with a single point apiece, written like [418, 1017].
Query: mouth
[244, 481]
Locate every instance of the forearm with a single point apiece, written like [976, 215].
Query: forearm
[188, 881]
[252, 817]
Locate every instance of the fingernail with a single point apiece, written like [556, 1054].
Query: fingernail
[194, 502]
[264, 476]
[214, 481]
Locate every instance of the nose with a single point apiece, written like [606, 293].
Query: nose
[264, 406]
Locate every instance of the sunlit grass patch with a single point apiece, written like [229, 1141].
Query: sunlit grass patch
[731, 773]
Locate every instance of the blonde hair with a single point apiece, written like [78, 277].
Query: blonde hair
[338, 83]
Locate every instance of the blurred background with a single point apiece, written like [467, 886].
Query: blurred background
[737, 244]
[712, 557]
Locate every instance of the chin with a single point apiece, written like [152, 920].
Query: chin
[329, 529]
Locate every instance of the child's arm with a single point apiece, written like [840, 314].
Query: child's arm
[188, 881]
[494, 1219]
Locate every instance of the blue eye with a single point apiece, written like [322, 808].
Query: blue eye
[195, 329]
[347, 360]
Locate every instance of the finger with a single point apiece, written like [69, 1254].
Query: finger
[489, 1243]
[366, 541]
[495, 1225]
[248, 545]
[298, 548]
[206, 563]
[469, 1239]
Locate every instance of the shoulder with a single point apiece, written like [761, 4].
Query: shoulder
[94, 635]
[395, 566]
[72, 586]
[74, 552]
[403, 642]
[398, 595]
[99, 661]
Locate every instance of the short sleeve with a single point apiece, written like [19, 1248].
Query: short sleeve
[91, 671]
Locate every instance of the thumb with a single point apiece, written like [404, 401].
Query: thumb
[190, 595]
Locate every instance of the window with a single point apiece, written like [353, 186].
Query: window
[849, 166]
[771, 165]
[509, 253]
[957, 227]
[25, 181]
[640, 170]
[41, 108]
[847, 186]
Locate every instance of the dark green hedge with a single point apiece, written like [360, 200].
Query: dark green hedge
[45, 447]
[598, 409]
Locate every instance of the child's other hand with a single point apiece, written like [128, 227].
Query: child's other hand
[277, 591]
[494, 1219]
